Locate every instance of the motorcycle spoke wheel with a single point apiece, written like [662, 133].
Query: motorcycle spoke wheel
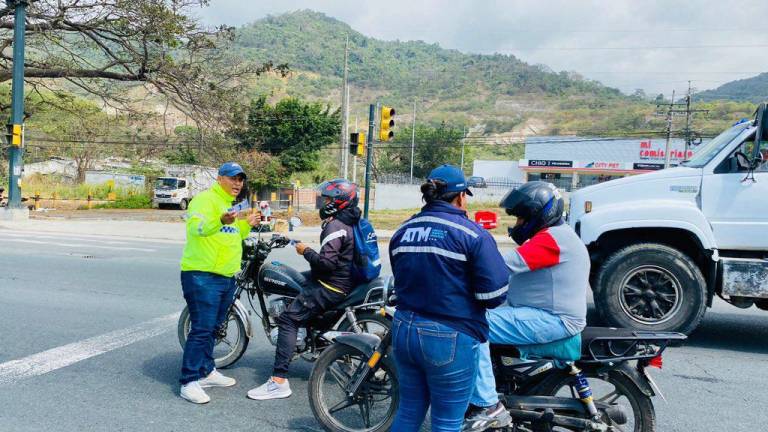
[616, 393]
[372, 409]
[227, 338]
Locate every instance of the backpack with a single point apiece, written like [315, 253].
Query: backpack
[367, 262]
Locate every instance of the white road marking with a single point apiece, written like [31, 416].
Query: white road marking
[60, 237]
[75, 245]
[63, 356]
[85, 237]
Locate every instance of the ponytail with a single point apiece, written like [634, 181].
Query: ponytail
[434, 190]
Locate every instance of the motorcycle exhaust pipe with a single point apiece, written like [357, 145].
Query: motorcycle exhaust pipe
[617, 415]
[557, 420]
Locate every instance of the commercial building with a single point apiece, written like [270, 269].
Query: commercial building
[574, 162]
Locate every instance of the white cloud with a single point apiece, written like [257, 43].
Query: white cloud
[562, 34]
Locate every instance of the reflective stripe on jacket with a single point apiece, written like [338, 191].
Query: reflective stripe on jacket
[212, 246]
[448, 269]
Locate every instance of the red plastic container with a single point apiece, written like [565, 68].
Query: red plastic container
[487, 219]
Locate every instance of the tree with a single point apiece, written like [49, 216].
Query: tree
[101, 46]
[434, 146]
[292, 130]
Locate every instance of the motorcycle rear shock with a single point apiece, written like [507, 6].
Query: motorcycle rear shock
[583, 390]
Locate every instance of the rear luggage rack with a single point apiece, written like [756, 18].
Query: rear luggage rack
[603, 345]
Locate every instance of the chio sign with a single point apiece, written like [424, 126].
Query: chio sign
[656, 151]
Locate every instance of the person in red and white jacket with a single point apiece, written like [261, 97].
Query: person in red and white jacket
[547, 295]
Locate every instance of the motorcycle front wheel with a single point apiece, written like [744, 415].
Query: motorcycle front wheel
[371, 410]
[231, 339]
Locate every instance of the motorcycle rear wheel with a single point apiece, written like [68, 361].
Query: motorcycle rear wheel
[231, 342]
[614, 388]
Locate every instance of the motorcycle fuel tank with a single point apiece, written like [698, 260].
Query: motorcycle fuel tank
[276, 278]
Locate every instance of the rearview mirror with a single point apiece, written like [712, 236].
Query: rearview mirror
[743, 161]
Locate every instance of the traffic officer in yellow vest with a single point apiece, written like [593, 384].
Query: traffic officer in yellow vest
[211, 258]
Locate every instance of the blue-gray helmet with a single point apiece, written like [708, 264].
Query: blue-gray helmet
[538, 203]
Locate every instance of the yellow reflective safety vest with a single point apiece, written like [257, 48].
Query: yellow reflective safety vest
[212, 246]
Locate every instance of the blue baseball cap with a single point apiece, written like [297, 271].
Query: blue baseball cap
[452, 176]
[231, 169]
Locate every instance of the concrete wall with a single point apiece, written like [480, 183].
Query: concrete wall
[398, 196]
[498, 169]
[121, 180]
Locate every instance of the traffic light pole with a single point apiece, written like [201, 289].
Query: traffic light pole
[368, 157]
[17, 107]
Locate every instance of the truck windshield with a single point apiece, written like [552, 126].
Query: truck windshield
[165, 183]
[712, 148]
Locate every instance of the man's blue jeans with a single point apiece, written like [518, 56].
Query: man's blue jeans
[512, 326]
[208, 298]
[436, 366]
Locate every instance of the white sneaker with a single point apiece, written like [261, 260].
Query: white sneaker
[194, 393]
[270, 390]
[216, 379]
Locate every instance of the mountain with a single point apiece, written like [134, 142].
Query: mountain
[312, 44]
[753, 89]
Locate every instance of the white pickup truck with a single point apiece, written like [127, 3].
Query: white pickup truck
[664, 244]
[180, 184]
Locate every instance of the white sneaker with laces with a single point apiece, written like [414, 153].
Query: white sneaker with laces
[194, 393]
[216, 379]
[270, 390]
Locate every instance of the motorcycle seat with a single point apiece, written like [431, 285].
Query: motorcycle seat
[357, 295]
[566, 350]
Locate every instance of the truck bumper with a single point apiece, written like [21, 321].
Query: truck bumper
[175, 201]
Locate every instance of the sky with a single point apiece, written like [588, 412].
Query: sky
[657, 46]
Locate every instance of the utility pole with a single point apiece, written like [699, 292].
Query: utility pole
[689, 135]
[670, 112]
[15, 137]
[669, 131]
[368, 156]
[463, 140]
[688, 118]
[413, 138]
[354, 158]
[343, 159]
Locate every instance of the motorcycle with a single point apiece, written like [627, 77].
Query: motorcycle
[353, 385]
[275, 285]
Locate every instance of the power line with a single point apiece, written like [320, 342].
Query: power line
[636, 48]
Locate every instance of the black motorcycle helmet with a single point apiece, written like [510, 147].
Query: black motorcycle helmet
[538, 203]
[342, 194]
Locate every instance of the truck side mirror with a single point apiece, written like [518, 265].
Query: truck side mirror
[743, 161]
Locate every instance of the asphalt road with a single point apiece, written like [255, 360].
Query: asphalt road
[88, 343]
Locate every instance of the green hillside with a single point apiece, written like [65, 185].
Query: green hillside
[313, 42]
[753, 89]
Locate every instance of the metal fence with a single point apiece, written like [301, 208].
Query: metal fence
[564, 184]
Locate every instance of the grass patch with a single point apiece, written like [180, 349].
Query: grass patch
[130, 202]
[50, 186]
[392, 219]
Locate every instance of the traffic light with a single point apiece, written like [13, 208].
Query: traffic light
[387, 123]
[357, 143]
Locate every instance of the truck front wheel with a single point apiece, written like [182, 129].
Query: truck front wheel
[183, 205]
[651, 286]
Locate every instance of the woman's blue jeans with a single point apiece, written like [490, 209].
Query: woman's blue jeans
[436, 366]
[208, 297]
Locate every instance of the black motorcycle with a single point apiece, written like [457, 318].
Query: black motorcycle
[275, 285]
[354, 386]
